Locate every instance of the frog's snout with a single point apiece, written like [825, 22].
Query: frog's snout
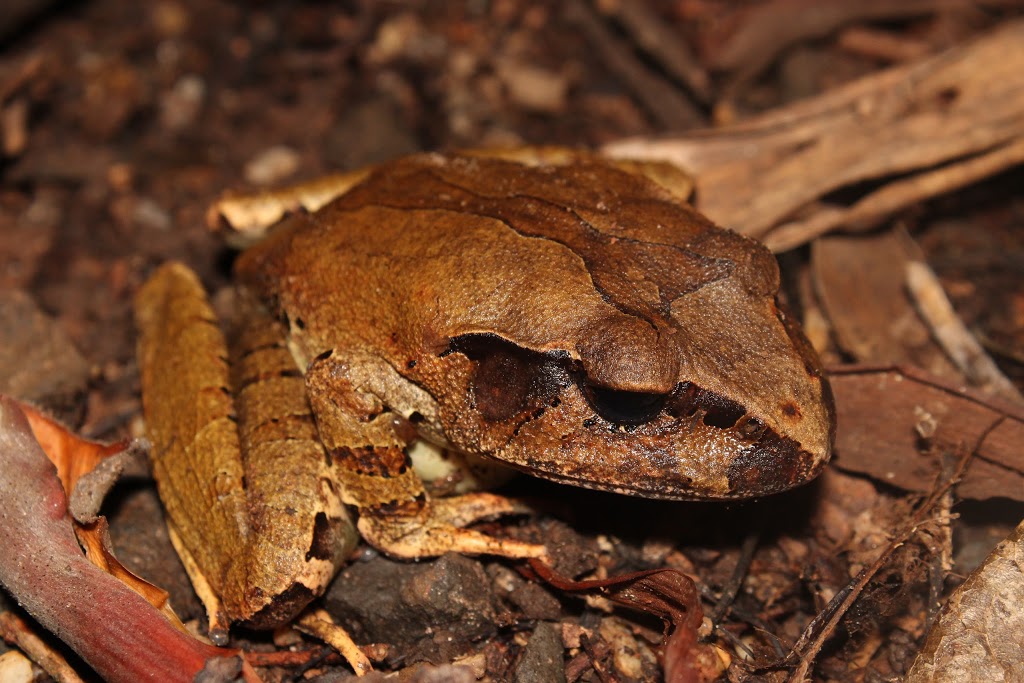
[774, 465]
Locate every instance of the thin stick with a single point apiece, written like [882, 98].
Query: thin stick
[824, 625]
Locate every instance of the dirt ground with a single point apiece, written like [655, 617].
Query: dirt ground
[121, 122]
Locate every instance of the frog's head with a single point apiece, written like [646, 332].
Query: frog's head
[686, 380]
[744, 415]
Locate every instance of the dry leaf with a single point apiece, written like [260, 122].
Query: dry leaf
[665, 593]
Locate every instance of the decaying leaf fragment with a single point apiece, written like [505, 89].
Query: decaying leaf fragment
[96, 614]
[979, 635]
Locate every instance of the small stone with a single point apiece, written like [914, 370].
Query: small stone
[632, 658]
[533, 87]
[150, 215]
[533, 600]
[430, 610]
[543, 657]
[272, 165]
[180, 106]
[15, 668]
[405, 37]
[369, 133]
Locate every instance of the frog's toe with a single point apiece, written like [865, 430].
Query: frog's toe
[475, 507]
[438, 529]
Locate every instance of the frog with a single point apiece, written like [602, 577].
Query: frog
[569, 316]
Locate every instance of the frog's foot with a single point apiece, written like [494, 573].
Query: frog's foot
[318, 623]
[249, 216]
[436, 528]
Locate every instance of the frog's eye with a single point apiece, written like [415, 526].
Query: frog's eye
[624, 407]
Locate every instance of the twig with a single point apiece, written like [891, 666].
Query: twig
[942, 560]
[951, 334]
[653, 36]
[884, 45]
[25, 73]
[869, 211]
[739, 573]
[17, 631]
[319, 623]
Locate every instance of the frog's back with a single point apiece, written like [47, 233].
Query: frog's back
[433, 246]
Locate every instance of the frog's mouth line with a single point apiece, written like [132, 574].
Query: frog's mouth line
[626, 409]
[763, 461]
[758, 472]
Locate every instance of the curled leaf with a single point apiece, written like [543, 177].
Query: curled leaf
[109, 625]
[665, 593]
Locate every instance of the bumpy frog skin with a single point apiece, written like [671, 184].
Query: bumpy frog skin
[575, 321]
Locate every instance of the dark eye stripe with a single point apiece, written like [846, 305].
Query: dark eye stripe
[718, 411]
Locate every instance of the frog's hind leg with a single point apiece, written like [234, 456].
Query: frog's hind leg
[395, 513]
[258, 517]
[190, 420]
[302, 532]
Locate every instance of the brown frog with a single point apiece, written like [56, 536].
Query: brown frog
[567, 315]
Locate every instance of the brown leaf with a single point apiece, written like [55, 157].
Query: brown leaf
[687, 661]
[860, 282]
[887, 306]
[665, 593]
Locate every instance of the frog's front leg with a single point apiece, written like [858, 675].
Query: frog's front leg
[395, 513]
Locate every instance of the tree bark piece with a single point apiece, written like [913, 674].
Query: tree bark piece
[888, 140]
